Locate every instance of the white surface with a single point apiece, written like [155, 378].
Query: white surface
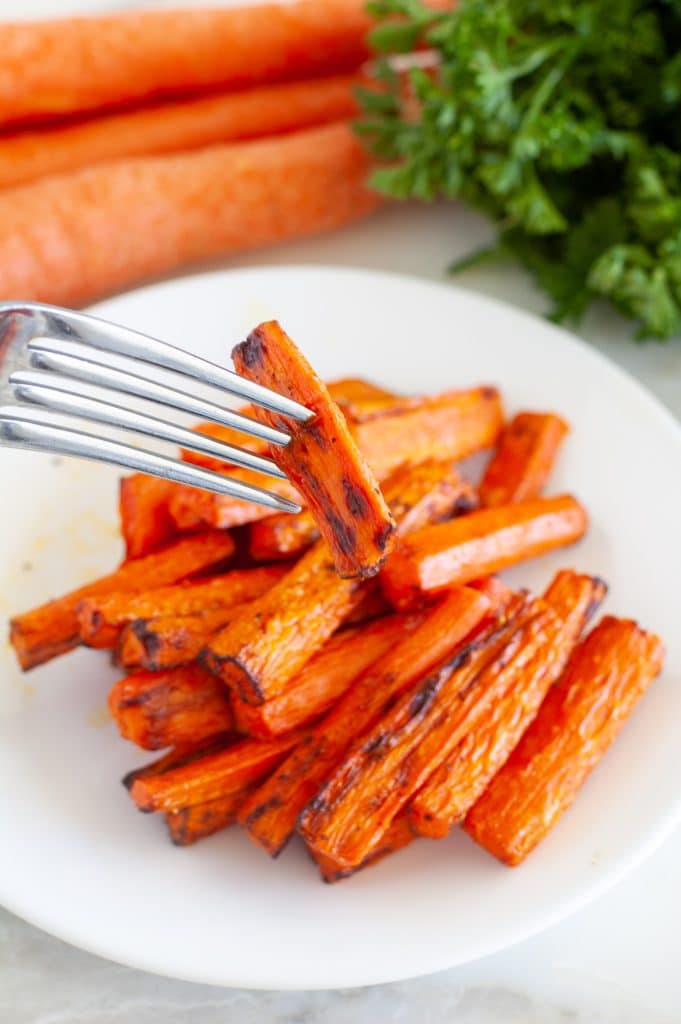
[73, 843]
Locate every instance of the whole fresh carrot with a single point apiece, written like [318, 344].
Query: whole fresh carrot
[80, 64]
[174, 127]
[74, 237]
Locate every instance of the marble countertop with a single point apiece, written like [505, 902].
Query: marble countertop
[615, 962]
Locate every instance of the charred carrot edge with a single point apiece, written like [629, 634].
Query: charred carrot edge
[476, 545]
[211, 777]
[607, 674]
[373, 605]
[60, 234]
[321, 459]
[102, 617]
[146, 523]
[524, 459]
[453, 789]
[395, 758]
[260, 653]
[155, 645]
[190, 824]
[170, 709]
[42, 634]
[179, 757]
[397, 837]
[271, 813]
[325, 678]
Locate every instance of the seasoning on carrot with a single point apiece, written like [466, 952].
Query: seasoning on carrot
[190, 824]
[582, 715]
[178, 757]
[170, 641]
[146, 523]
[397, 837]
[527, 451]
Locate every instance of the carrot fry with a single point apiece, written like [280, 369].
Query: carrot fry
[260, 653]
[476, 545]
[52, 629]
[170, 709]
[81, 64]
[211, 777]
[361, 400]
[101, 618]
[179, 757]
[270, 815]
[389, 763]
[524, 459]
[64, 240]
[282, 536]
[321, 458]
[607, 674]
[192, 510]
[170, 641]
[146, 523]
[396, 837]
[372, 606]
[190, 824]
[325, 678]
[462, 778]
[175, 127]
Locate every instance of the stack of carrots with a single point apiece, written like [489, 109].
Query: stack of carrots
[357, 673]
[137, 143]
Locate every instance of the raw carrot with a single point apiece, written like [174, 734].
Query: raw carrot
[146, 523]
[270, 815]
[188, 825]
[174, 127]
[52, 629]
[170, 709]
[170, 641]
[607, 674]
[478, 544]
[396, 837]
[527, 451]
[102, 617]
[64, 240]
[462, 778]
[321, 458]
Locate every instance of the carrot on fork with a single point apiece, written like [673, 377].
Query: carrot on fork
[582, 715]
[524, 459]
[52, 629]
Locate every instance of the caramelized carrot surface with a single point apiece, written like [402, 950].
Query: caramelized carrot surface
[271, 813]
[527, 451]
[179, 757]
[396, 837]
[190, 824]
[582, 715]
[42, 634]
[479, 544]
[146, 523]
[170, 641]
[462, 778]
[361, 400]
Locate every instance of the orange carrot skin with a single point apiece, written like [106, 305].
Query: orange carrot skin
[190, 824]
[170, 709]
[527, 451]
[170, 641]
[325, 678]
[175, 127]
[179, 757]
[397, 837]
[42, 634]
[211, 777]
[477, 545]
[64, 240]
[271, 813]
[191, 509]
[146, 523]
[606, 676]
[321, 459]
[453, 789]
[101, 618]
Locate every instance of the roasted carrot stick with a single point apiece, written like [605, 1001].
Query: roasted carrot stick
[170, 709]
[52, 629]
[270, 815]
[476, 545]
[170, 641]
[190, 824]
[524, 459]
[396, 837]
[261, 652]
[64, 239]
[102, 617]
[372, 606]
[192, 509]
[325, 678]
[175, 127]
[81, 64]
[605, 677]
[146, 523]
[179, 757]
[389, 763]
[321, 459]
[212, 777]
[462, 778]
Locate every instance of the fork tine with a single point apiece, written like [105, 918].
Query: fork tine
[71, 359]
[122, 341]
[50, 391]
[23, 428]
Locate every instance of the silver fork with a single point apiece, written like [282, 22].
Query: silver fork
[55, 360]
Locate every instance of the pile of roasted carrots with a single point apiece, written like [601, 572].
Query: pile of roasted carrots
[356, 673]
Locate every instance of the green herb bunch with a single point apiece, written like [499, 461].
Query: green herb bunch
[559, 119]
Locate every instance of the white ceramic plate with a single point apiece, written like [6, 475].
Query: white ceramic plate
[78, 861]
